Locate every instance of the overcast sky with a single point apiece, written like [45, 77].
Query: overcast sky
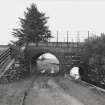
[65, 15]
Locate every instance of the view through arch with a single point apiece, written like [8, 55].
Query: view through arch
[76, 72]
[48, 63]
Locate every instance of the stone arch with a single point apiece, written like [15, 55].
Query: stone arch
[35, 55]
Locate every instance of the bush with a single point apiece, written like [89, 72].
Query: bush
[15, 74]
[94, 57]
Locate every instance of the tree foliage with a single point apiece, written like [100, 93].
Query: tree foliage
[94, 57]
[33, 27]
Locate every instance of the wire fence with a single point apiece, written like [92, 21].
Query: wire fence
[72, 36]
[4, 57]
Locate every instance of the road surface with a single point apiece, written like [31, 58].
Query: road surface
[61, 91]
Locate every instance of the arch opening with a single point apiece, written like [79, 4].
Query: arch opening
[76, 72]
[47, 63]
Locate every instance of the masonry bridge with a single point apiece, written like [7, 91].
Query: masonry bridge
[68, 54]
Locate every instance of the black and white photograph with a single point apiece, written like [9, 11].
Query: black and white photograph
[52, 52]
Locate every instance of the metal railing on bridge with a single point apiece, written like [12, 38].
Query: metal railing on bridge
[72, 46]
[57, 44]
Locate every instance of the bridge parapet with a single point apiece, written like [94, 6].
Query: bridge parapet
[58, 44]
[57, 48]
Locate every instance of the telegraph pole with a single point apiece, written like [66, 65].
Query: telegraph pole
[57, 38]
[78, 38]
[72, 45]
[67, 37]
[72, 42]
[88, 34]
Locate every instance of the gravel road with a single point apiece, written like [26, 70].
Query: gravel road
[13, 93]
[61, 91]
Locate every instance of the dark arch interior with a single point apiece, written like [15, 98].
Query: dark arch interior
[45, 63]
[81, 71]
